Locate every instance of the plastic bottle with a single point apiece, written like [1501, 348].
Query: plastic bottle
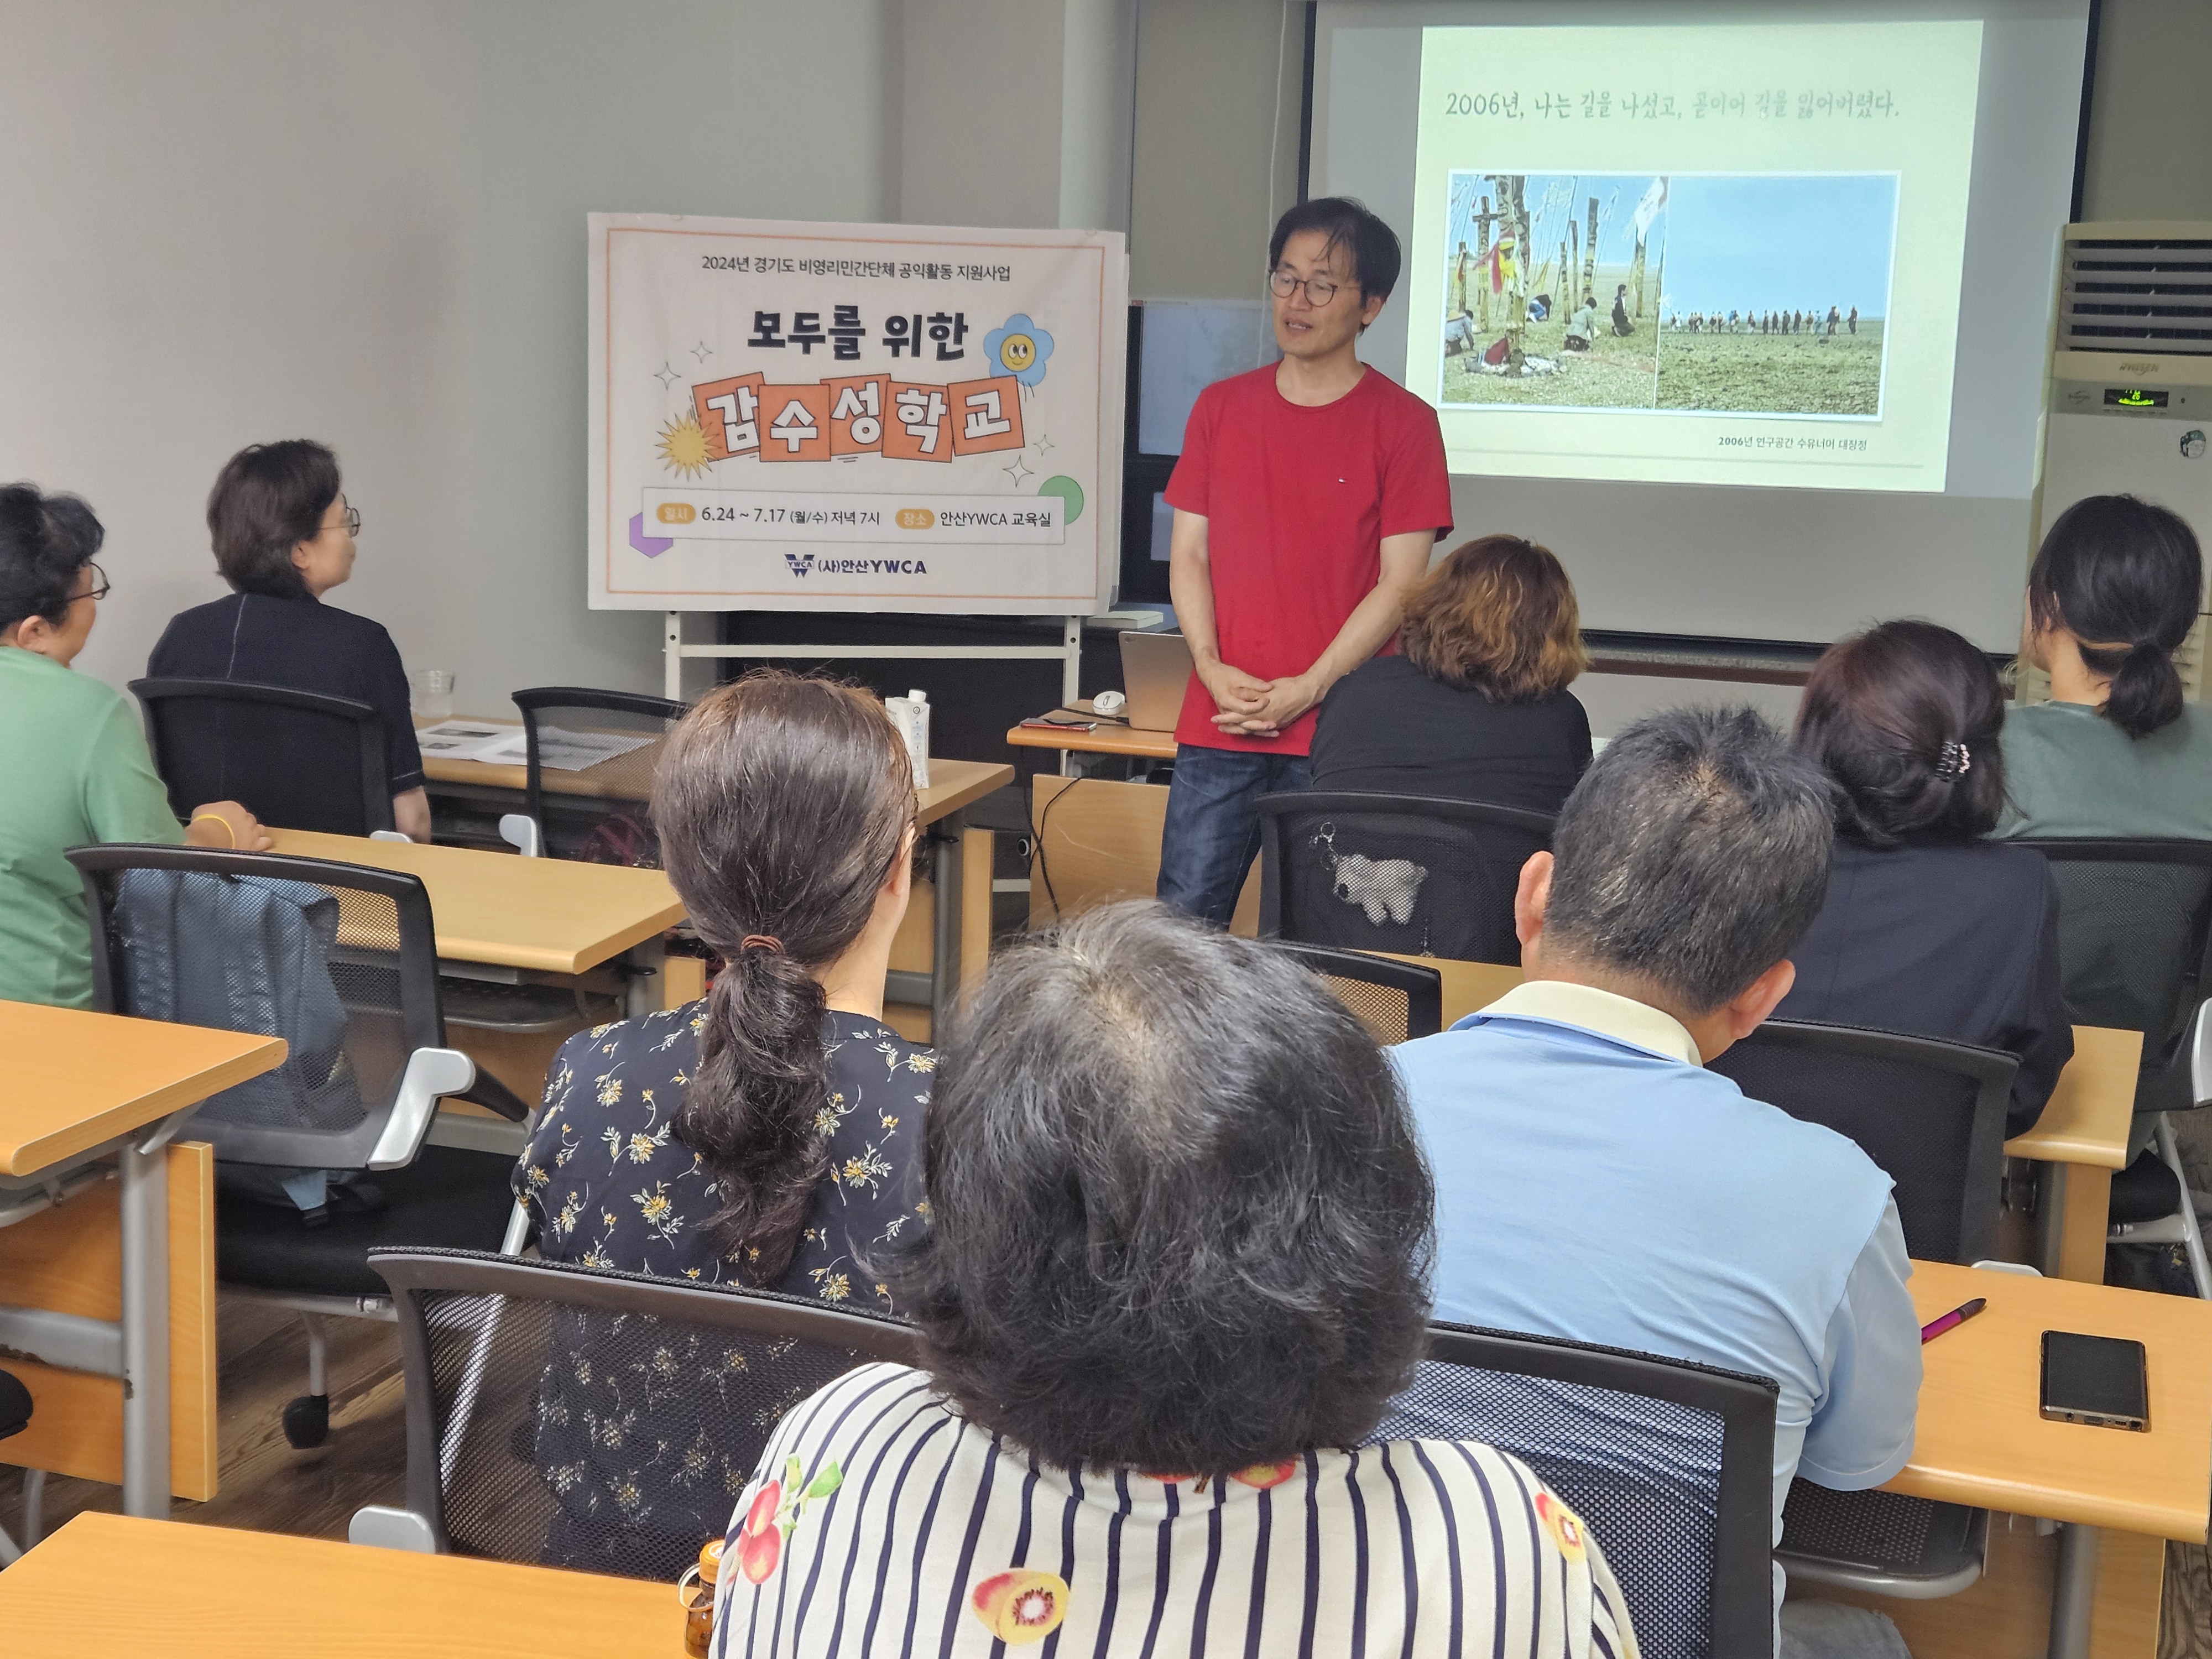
[911, 713]
[696, 1590]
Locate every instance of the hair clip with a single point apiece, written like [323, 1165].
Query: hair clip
[1954, 762]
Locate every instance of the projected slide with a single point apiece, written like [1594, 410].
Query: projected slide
[1709, 255]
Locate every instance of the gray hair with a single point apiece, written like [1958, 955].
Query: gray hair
[1180, 1216]
[1694, 854]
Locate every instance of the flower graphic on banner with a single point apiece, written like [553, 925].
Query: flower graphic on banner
[1019, 347]
[684, 447]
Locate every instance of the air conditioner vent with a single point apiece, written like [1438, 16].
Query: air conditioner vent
[2136, 294]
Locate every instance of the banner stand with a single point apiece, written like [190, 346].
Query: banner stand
[676, 651]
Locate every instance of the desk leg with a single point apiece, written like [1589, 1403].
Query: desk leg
[2074, 1593]
[145, 1180]
[2073, 1208]
[976, 847]
[644, 992]
[944, 955]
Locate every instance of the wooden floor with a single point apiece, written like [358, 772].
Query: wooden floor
[263, 1483]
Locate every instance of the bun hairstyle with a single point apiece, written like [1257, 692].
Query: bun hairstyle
[781, 804]
[1905, 718]
[2124, 577]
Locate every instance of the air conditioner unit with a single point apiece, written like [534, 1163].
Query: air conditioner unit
[2129, 404]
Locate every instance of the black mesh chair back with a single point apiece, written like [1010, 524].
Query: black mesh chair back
[602, 747]
[1396, 1001]
[1930, 1114]
[1394, 872]
[339, 960]
[1670, 1463]
[2135, 926]
[295, 759]
[579, 1418]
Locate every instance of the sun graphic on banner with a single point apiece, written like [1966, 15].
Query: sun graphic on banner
[684, 447]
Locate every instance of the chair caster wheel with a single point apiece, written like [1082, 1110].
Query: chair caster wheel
[307, 1420]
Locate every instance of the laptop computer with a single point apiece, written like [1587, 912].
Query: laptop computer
[1155, 670]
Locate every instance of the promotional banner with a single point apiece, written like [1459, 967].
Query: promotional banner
[865, 417]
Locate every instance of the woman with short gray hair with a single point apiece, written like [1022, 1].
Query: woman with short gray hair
[1179, 1237]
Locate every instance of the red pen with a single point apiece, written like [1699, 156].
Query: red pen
[1935, 1327]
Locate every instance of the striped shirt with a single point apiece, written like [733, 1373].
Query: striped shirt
[882, 1521]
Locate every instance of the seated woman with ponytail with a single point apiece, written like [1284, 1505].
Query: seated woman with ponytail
[761, 1137]
[1929, 928]
[2117, 752]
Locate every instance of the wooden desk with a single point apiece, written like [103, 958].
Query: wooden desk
[2079, 1141]
[103, 1584]
[558, 916]
[1981, 1441]
[1469, 986]
[552, 916]
[953, 784]
[78, 1080]
[1108, 738]
[84, 1083]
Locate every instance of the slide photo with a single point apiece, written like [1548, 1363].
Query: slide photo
[1775, 296]
[1756, 293]
[1693, 254]
[1551, 290]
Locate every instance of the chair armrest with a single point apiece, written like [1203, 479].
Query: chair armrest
[520, 831]
[381, 1527]
[2200, 1055]
[488, 1092]
[430, 1073]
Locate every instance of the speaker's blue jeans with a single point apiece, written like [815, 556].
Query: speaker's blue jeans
[1212, 830]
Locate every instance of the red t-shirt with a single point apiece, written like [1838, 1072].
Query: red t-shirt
[1296, 502]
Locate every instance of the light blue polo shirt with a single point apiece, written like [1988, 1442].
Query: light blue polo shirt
[1595, 1182]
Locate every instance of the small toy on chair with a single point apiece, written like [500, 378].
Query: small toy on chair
[1384, 888]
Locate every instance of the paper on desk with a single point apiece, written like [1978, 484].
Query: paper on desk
[563, 750]
[464, 739]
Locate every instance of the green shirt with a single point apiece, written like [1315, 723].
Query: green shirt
[2071, 772]
[73, 770]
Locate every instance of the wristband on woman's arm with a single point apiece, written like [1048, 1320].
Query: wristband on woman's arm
[216, 817]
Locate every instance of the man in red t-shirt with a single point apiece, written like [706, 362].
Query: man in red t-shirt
[1308, 500]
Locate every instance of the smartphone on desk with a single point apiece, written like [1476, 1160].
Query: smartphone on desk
[2097, 1380]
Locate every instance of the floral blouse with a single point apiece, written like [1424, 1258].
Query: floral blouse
[609, 1185]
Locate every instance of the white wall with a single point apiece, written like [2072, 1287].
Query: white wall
[362, 221]
[2150, 123]
[1016, 113]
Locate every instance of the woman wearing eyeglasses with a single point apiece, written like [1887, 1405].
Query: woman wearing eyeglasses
[71, 750]
[283, 537]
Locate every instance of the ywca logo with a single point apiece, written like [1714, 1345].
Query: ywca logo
[800, 563]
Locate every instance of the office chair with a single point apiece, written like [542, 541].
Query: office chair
[1670, 1463]
[339, 960]
[296, 760]
[1931, 1116]
[508, 1453]
[1404, 873]
[618, 786]
[1396, 1001]
[2134, 937]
